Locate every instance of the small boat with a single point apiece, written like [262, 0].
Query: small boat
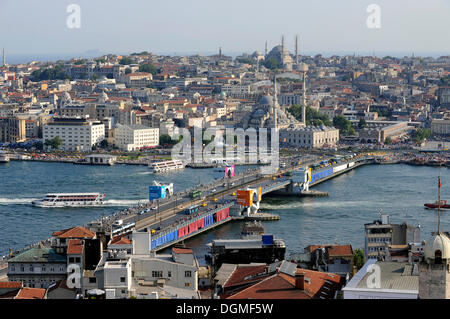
[4, 158]
[435, 205]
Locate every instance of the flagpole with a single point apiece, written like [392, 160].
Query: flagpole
[439, 203]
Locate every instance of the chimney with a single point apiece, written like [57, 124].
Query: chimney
[300, 281]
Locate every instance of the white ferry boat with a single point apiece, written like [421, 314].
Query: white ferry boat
[70, 200]
[4, 158]
[165, 166]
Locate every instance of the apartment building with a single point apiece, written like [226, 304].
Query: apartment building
[77, 134]
[38, 267]
[380, 234]
[144, 274]
[134, 137]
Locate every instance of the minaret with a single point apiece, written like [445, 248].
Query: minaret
[265, 52]
[303, 68]
[296, 48]
[282, 49]
[4, 57]
[275, 104]
[220, 52]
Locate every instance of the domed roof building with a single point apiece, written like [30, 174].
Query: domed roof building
[437, 247]
[281, 55]
[262, 115]
[434, 269]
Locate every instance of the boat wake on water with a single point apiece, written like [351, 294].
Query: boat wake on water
[16, 201]
[294, 205]
[108, 203]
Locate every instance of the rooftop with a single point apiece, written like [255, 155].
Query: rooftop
[75, 232]
[31, 293]
[45, 255]
[394, 276]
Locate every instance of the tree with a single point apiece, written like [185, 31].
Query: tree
[422, 134]
[313, 117]
[50, 73]
[362, 124]
[246, 60]
[126, 61]
[272, 64]
[358, 258]
[165, 139]
[343, 125]
[388, 140]
[104, 144]
[140, 53]
[54, 143]
[149, 68]
[79, 62]
[127, 71]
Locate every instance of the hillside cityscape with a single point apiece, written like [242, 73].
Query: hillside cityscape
[296, 121]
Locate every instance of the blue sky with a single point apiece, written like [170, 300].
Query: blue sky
[174, 26]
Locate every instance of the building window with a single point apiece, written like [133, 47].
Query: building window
[122, 279]
[169, 274]
[92, 280]
[188, 284]
[188, 273]
[157, 273]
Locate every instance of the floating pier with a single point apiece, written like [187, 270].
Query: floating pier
[313, 193]
[262, 217]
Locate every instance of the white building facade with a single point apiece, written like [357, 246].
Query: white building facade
[134, 137]
[77, 134]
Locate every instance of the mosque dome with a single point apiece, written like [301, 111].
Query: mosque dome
[439, 244]
[223, 95]
[266, 100]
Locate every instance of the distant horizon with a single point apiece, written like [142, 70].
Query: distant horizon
[18, 58]
[48, 29]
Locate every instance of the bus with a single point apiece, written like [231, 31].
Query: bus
[195, 194]
[193, 209]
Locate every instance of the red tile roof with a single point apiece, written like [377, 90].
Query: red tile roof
[75, 232]
[278, 286]
[75, 247]
[245, 274]
[340, 250]
[10, 284]
[282, 286]
[31, 293]
[120, 240]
